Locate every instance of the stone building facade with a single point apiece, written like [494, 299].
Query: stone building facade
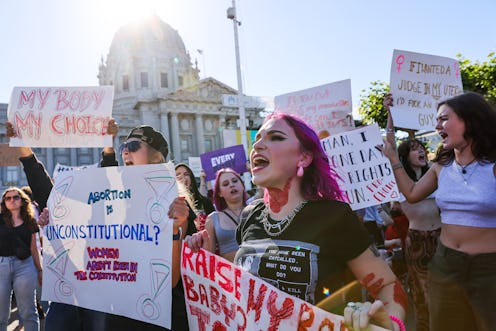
[155, 83]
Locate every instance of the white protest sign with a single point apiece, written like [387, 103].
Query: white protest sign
[194, 163]
[326, 108]
[418, 83]
[61, 116]
[62, 168]
[222, 296]
[108, 246]
[367, 177]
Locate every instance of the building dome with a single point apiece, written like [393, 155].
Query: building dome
[147, 58]
[148, 37]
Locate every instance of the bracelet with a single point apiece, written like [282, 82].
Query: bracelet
[398, 321]
[397, 166]
[388, 130]
[177, 236]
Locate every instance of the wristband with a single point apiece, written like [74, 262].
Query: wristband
[177, 236]
[398, 321]
[397, 166]
[388, 130]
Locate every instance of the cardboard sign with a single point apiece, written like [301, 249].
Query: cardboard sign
[62, 168]
[108, 246]
[9, 156]
[222, 296]
[326, 108]
[367, 177]
[230, 157]
[61, 116]
[418, 83]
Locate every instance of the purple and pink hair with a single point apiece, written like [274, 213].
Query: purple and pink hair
[319, 179]
[219, 202]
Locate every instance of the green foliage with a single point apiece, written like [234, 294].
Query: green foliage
[371, 108]
[479, 77]
[476, 77]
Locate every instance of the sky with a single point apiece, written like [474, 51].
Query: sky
[285, 45]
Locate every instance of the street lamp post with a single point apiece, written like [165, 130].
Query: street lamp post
[231, 14]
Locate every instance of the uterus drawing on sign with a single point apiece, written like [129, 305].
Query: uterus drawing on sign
[57, 264]
[148, 307]
[59, 191]
[161, 183]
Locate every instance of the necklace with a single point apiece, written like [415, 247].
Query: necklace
[464, 167]
[463, 171]
[276, 227]
[234, 213]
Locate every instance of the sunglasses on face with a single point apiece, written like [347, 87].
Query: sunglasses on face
[131, 146]
[14, 197]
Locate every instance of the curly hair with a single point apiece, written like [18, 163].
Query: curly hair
[319, 179]
[27, 210]
[219, 202]
[479, 117]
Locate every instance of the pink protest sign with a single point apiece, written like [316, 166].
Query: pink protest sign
[222, 296]
[61, 116]
[327, 108]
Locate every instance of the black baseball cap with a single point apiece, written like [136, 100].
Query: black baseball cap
[152, 137]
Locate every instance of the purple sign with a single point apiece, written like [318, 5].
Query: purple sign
[230, 157]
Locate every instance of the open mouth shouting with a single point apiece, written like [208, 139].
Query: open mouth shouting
[258, 163]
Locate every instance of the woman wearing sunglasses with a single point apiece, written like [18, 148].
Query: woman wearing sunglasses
[20, 266]
[145, 145]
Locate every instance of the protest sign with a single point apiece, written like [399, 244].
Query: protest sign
[222, 296]
[418, 83]
[109, 241]
[230, 157]
[62, 168]
[194, 163]
[9, 156]
[366, 175]
[233, 137]
[61, 116]
[326, 108]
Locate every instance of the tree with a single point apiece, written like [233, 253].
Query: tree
[479, 77]
[371, 108]
[476, 77]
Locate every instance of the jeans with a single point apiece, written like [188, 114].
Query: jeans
[462, 290]
[22, 277]
[64, 317]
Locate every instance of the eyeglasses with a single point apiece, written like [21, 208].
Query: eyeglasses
[131, 146]
[13, 197]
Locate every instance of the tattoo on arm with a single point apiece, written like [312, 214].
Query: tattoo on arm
[372, 284]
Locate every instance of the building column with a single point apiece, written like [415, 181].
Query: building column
[73, 157]
[164, 128]
[49, 160]
[200, 137]
[176, 144]
[221, 128]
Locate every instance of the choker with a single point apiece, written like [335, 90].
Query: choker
[276, 227]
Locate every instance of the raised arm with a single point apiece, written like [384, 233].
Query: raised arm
[108, 154]
[413, 191]
[36, 174]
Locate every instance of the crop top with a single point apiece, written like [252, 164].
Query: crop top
[225, 238]
[467, 199]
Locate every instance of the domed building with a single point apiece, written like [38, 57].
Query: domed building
[155, 83]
